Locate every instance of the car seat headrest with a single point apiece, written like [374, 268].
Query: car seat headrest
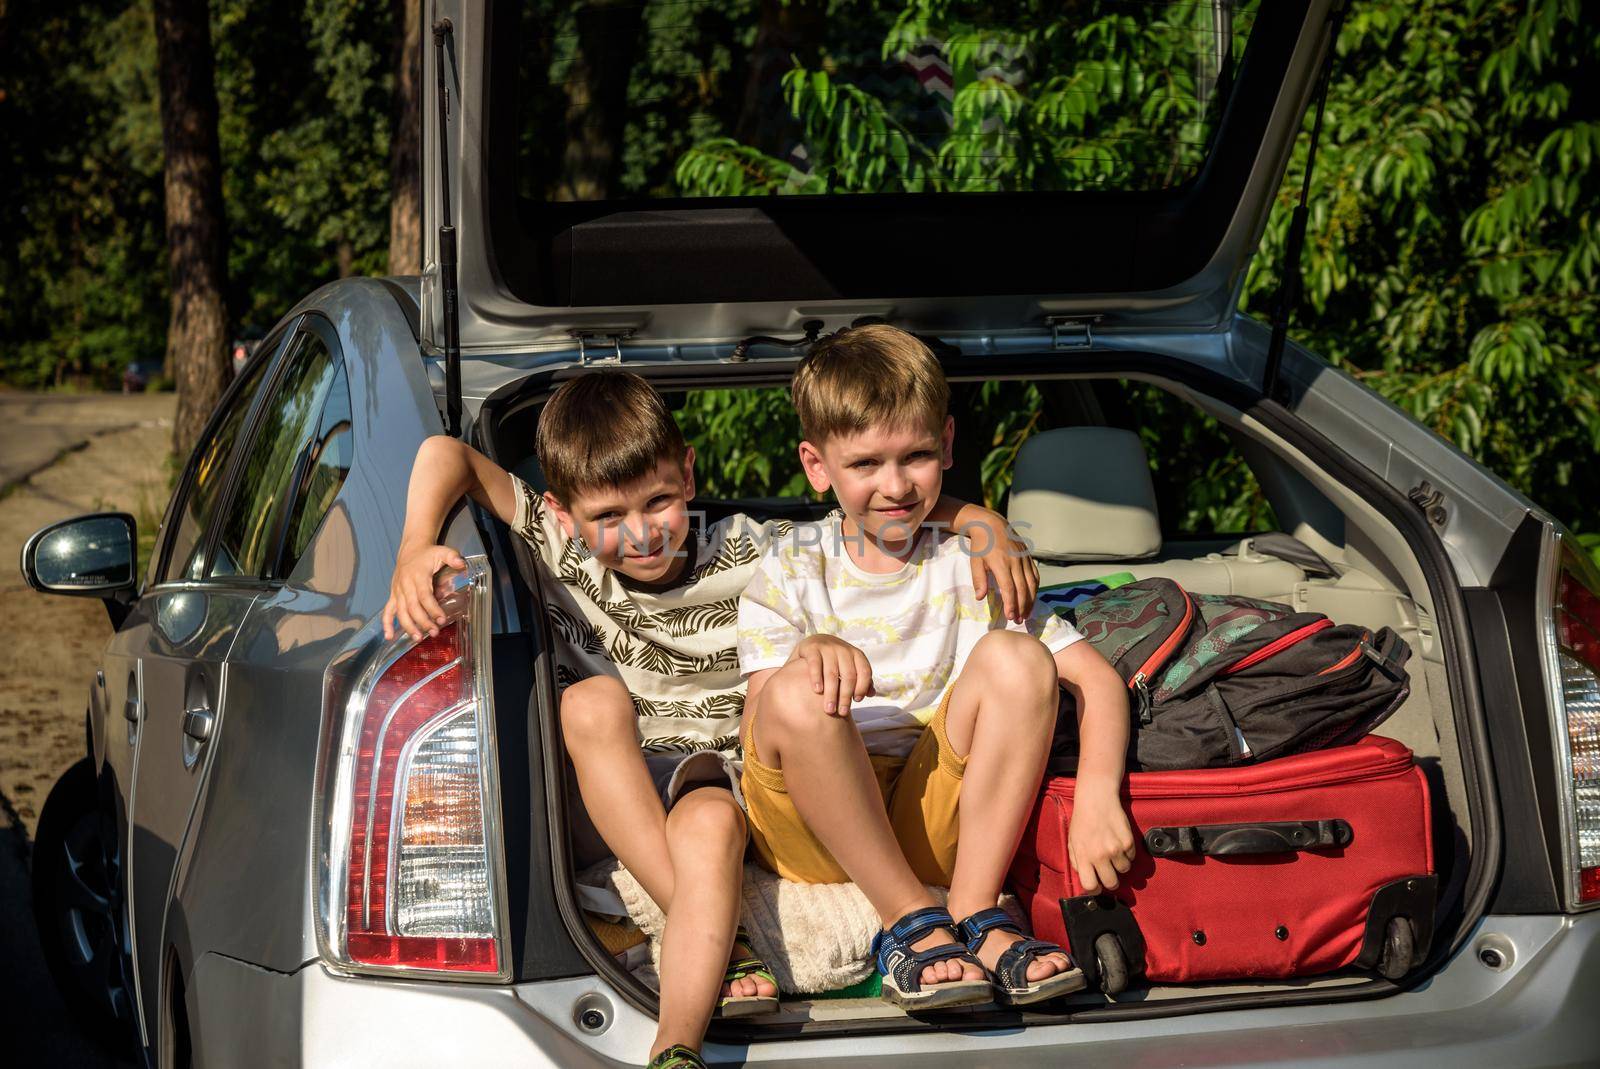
[1084, 493]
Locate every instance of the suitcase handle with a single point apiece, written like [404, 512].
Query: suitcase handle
[1238, 840]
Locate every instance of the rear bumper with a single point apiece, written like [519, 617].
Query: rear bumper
[1538, 1011]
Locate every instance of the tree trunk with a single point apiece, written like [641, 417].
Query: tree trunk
[789, 32]
[405, 157]
[197, 333]
[597, 99]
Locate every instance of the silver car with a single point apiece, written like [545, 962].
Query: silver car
[293, 842]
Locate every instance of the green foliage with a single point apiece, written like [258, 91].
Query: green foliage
[1006, 414]
[1202, 484]
[308, 100]
[745, 441]
[1451, 261]
[304, 125]
[1453, 252]
[1037, 103]
[81, 201]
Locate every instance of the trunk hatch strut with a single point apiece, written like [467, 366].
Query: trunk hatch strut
[447, 246]
[1289, 278]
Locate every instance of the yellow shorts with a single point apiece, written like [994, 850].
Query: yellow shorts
[922, 792]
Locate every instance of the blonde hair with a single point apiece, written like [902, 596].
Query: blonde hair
[869, 376]
[604, 429]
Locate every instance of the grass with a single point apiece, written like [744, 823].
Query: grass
[147, 511]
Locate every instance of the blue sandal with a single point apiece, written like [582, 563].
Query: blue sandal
[1010, 976]
[901, 967]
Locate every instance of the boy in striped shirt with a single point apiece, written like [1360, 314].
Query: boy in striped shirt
[644, 608]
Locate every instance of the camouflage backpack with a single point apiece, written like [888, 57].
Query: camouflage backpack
[1221, 679]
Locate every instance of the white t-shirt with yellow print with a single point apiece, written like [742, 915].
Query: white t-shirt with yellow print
[916, 625]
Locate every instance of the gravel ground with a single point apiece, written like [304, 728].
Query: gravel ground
[59, 456]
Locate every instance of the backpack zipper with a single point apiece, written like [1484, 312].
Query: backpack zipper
[1141, 689]
[1348, 659]
[1140, 683]
[1277, 645]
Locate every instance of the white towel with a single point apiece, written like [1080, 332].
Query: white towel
[815, 937]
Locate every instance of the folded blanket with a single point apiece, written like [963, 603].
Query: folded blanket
[815, 937]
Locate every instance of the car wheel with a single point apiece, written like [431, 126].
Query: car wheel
[1112, 962]
[1399, 946]
[78, 909]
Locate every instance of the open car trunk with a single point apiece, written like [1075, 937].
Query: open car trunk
[620, 196]
[1391, 571]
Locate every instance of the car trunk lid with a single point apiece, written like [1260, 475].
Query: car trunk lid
[649, 174]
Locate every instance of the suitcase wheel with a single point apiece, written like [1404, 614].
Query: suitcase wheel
[1399, 947]
[1113, 963]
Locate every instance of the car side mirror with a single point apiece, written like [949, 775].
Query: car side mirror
[87, 556]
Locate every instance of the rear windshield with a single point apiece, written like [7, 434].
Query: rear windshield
[756, 98]
[744, 443]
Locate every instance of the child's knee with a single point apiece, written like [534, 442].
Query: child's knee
[1016, 657]
[788, 702]
[709, 816]
[596, 707]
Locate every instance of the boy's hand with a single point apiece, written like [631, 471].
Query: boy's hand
[839, 671]
[1099, 839]
[411, 602]
[993, 549]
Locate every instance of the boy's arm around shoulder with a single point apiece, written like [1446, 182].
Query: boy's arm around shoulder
[993, 550]
[444, 470]
[1099, 838]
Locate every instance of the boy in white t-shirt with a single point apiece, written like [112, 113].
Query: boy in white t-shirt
[897, 726]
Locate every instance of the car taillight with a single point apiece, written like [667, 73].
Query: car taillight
[1576, 628]
[411, 857]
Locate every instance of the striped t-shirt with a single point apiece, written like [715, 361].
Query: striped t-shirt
[673, 648]
[916, 625]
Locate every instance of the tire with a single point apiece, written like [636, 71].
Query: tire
[78, 910]
[1112, 963]
[1399, 948]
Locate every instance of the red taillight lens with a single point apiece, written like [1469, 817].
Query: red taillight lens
[1578, 620]
[410, 866]
[1577, 656]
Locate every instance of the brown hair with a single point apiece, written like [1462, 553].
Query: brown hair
[869, 376]
[604, 429]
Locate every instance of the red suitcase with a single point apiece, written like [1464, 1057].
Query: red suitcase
[1292, 867]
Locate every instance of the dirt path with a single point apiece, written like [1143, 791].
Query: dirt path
[72, 455]
[36, 428]
[48, 645]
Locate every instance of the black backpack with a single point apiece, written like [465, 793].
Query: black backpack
[1221, 679]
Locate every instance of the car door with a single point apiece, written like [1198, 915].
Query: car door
[247, 843]
[167, 649]
[223, 546]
